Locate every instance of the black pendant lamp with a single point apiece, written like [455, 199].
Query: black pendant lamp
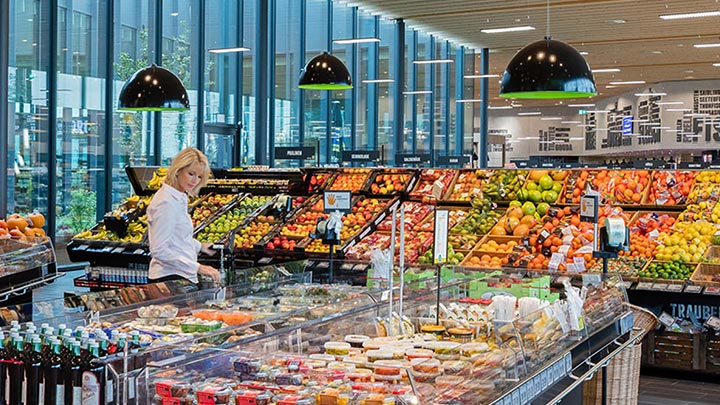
[325, 72]
[548, 69]
[153, 89]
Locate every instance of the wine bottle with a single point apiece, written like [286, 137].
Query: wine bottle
[93, 378]
[16, 372]
[4, 360]
[73, 375]
[52, 371]
[61, 329]
[35, 389]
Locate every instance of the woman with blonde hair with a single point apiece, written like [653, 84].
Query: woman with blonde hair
[173, 249]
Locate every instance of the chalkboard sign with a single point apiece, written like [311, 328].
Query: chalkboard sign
[412, 158]
[294, 152]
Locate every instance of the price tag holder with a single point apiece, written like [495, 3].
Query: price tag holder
[712, 290]
[591, 279]
[693, 289]
[338, 201]
[659, 287]
[579, 264]
[589, 206]
[675, 287]
[644, 286]
[555, 261]
[666, 319]
[440, 247]
[713, 323]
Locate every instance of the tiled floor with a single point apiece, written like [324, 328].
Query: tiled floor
[666, 391]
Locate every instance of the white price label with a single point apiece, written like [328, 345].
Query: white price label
[440, 249]
[666, 319]
[675, 287]
[555, 261]
[579, 264]
[693, 289]
[713, 322]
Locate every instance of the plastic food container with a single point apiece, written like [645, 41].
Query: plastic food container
[172, 388]
[387, 368]
[360, 375]
[356, 340]
[443, 348]
[425, 365]
[437, 330]
[323, 357]
[288, 379]
[419, 354]
[425, 377]
[251, 397]
[471, 349]
[448, 381]
[244, 365]
[460, 335]
[214, 395]
[294, 400]
[455, 366]
[337, 348]
[375, 355]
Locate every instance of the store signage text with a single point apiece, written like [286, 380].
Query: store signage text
[701, 312]
[453, 160]
[298, 152]
[360, 155]
[421, 158]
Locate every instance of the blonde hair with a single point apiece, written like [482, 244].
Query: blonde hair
[186, 158]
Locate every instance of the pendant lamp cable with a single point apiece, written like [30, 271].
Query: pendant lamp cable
[547, 16]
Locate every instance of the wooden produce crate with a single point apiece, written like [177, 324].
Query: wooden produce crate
[357, 176]
[454, 195]
[666, 280]
[428, 177]
[681, 351]
[410, 177]
[704, 273]
[713, 252]
[428, 224]
[662, 200]
[712, 356]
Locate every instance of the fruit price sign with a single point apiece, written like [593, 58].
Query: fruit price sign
[338, 201]
[589, 208]
[441, 233]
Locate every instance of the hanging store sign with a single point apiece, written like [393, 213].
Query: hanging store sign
[294, 152]
[452, 160]
[412, 159]
[648, 164]
[360, 156]
[692, 165]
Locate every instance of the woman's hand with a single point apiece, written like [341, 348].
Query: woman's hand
[211, 272]
[207, 249]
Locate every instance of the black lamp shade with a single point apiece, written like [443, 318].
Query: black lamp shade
[153, 89]
[325, 72]
[548, 69]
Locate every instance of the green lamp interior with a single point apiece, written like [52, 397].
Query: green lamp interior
[325, 86]
[547, 94]
[152, 109]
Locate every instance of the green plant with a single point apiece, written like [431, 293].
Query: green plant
[80, 214]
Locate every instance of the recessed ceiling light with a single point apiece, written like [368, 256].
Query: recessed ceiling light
[616, 21]
[689, 77]
[656, 52]
[469, 100]
[715, 45]
[608, 70]
[429, 61]
[229, 50]
[570, 122]
[690, 15]
[355, 40]
[417, 92]
[678, 109]
[581, 105]
[669, 103]
[500, 107]
[508, 29]
[689, 71]
[628, 82]
[716, 64]
[481, 76]
[378, 81]
[650, 94]
[599, 111]
[551, 119]
[530, 113]
[610, 87]
[584, 53]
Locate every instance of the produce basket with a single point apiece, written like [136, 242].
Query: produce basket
[623, 372]
[707, 274]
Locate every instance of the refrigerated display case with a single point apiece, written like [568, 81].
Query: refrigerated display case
[25, 265]
[364, 355]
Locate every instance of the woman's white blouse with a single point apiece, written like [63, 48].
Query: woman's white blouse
[170, 230]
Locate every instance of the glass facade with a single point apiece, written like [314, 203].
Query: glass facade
[97, 45]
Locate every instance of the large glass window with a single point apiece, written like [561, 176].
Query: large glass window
[288, 63]
[386, 119]
[80, 126]
[366, 69]
[222, 87]
[133, 133]
[27, 188]
[247, 149]
[180, 46]
[315, 102]
[423, 113]
[341, 102]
